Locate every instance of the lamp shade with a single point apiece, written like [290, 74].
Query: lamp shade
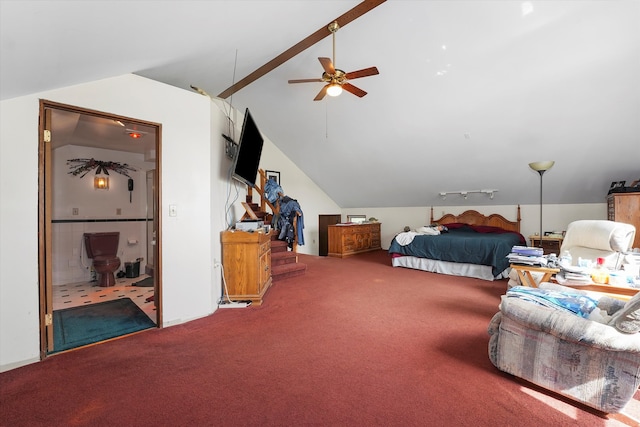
[542, 166]
[101, 183]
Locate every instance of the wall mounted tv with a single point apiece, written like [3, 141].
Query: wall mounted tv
[247, 159]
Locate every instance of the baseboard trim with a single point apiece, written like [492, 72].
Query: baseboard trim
[15, 365]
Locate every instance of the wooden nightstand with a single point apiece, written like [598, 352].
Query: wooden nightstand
[550, 245]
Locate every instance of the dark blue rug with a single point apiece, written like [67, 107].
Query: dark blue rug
[146, 282]
[77, 326]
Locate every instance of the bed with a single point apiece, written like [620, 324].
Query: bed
[475, 245]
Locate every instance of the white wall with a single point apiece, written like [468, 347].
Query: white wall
[19, 324]
[76, 191]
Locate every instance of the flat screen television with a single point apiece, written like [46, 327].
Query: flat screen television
[247, 159]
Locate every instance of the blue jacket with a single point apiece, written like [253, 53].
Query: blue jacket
[272, 190]
[289, 208]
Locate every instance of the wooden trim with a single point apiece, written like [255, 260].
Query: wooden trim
[158, 264]
[44, 213]
[44, 236]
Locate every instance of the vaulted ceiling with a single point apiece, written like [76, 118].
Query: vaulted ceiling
[469, 92]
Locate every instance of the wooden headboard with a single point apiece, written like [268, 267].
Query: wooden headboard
[476, 218]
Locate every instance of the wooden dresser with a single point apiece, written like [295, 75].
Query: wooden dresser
[246, 258]
[625, 207]
[351, 239]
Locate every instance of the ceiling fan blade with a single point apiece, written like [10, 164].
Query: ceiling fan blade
[321, 94]
[327, 65]
[356, 12]
[372, 71]
[306, 81]
[353, 89]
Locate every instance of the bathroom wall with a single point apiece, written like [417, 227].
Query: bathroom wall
[79, 208]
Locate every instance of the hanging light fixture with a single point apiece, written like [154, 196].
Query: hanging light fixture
[101, 182]
[541, 168]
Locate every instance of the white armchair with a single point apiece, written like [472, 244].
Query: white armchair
[591, 239]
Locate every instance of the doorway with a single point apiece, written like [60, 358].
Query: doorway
[77, 146]
[324, 221]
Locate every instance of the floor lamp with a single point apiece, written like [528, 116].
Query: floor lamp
[541, 168]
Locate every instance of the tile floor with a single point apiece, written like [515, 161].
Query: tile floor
[75, 294]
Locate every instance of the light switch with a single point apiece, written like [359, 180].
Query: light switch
[173, 210]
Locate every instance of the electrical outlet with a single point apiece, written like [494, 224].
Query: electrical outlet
[118, 211]
[75, 211]
[242, 304]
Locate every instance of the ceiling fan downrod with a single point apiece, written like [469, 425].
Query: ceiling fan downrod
[334, 27]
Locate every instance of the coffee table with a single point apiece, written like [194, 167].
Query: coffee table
[526, 278]
[616, 291]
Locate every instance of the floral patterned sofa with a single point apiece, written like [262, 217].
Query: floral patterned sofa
[587, 349]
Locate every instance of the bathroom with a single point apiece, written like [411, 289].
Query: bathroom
[78, 207]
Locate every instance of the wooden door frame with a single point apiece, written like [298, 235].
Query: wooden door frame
[44, 218]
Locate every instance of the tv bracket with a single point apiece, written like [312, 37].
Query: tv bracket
[230, 147]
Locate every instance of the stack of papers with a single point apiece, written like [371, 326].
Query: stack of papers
[527, 250]
[574, 275]
[527, 255]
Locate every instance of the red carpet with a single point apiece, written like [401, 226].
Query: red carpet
[353, 342]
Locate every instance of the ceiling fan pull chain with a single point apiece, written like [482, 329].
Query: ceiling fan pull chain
[326, 121]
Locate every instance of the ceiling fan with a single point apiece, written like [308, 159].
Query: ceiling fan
[336, 80]
[344, 19]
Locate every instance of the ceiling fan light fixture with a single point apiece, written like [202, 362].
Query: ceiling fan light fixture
[334, 89]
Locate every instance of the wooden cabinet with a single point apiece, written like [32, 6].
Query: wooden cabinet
[625, 207]
[550, 245]
[246, 258]
[351, 239]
